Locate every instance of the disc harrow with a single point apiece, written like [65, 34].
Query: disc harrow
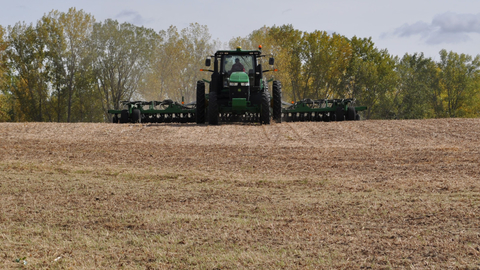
[325, 110]
[166, 111]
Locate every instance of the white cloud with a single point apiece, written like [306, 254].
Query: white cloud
[132, 17]
[444, 28]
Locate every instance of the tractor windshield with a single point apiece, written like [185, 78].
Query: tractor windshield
[235, 63]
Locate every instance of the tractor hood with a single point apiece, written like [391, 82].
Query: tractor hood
[239, 77]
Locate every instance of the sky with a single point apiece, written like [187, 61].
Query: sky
[407, 26]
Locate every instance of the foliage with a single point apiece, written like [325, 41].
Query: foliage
[26, 55]
[459, 82]
[175, 63]
[71, 73]
[68, 67]
[121, 54]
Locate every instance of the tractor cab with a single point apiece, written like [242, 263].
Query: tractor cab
[237, 74]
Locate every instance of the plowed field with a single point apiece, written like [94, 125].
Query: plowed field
[363, 194]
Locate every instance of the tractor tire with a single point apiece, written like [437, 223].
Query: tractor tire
[357, 117]
[351, 114]
[136, 116]
[265, 110]
[115, 119]
[124, 117]
[277, 102]
[200, 110]
[339, 114]
[213, 109]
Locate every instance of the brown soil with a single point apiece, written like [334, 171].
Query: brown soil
[363, 194]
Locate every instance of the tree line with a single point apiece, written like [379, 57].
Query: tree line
[69, 68]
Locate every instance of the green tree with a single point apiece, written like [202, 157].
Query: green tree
[459, 82]
[417, 90]
[121, 54]
[69, 34]
[372, 78]
[4, 100]
[289, 59]
[326, 61]
[26, 55]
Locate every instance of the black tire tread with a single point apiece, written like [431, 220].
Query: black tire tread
[277, 101]
[200, 110]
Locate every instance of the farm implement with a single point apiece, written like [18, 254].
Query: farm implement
[237, 92]
[166, 111]
[321, 110]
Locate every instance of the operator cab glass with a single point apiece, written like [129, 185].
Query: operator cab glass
[238, 63]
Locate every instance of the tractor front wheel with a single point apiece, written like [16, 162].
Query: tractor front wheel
[265, 111]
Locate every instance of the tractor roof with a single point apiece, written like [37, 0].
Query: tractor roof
[238, 51]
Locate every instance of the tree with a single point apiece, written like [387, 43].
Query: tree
[326, 60]
[372, 78]
[289, 59]
[26, 56]
[69, 34]
[176, 62]
[4, 100]
[459, 82]
[418, 83]
[121, 54]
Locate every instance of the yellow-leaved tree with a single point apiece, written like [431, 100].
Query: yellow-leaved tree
[3, 75]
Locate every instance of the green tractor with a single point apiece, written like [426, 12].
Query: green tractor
[238, 90]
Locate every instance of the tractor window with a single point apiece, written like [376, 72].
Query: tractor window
[233, 63]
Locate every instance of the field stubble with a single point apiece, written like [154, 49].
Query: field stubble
[368, 194]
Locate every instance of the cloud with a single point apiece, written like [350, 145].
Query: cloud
[131, 17]
[444, 28]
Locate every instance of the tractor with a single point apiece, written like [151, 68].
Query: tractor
[238, 90]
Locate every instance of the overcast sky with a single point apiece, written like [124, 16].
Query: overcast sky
[399, 26]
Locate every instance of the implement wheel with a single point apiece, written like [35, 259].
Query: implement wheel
[339, 114]
[277, 102]
[200, 110]
[265, 111]
[115, 119]
[124, 117]
[351, 114]
[213, 109]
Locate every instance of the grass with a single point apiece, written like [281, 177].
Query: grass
[61, 217]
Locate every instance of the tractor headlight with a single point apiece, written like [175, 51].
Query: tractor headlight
[239, 84]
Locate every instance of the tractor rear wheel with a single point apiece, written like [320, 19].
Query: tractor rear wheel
[213, 109]
[136, 116]
[265, 111]
[277, 101]
[200, 111]
[124, 117]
